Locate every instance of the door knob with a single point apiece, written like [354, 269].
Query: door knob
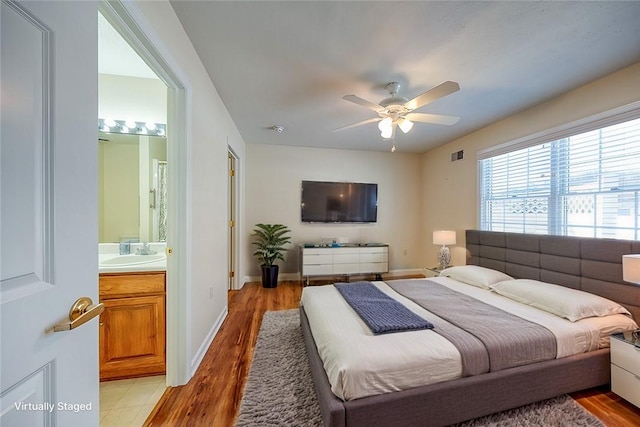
[80, 313]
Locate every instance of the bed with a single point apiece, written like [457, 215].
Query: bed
[592, 265]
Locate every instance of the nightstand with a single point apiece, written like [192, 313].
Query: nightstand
[436, 270]
[625, 367]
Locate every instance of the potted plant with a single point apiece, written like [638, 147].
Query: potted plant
[269, 240]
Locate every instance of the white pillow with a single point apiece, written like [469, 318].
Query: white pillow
[475, 275]
[608, 325]
[564, 302]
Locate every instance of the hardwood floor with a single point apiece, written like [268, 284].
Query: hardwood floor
[213, 395]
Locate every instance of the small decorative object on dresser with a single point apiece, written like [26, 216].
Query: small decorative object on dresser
[270, 241]
[444, 238]
[625, 366]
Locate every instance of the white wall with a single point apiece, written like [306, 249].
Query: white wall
[210, 132]
[273, 180]
[450, 198]
[132, 98]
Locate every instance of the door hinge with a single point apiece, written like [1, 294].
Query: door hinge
[231, 224]
[232, 172]
[232, 274]
[169, 251]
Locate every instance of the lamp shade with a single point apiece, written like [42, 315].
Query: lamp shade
[385, 124]
[405, 125]
[631, 268]
[444, 237]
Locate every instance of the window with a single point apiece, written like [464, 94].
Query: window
[585, 183]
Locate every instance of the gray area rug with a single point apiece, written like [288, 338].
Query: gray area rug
[280, 389]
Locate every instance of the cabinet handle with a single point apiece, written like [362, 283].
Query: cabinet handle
[80, 313]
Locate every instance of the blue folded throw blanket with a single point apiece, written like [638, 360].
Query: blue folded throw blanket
[380, 312]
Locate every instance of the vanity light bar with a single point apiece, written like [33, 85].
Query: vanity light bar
[132, 128]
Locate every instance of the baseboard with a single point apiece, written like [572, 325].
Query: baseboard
[197, 359]
[405, 272]
[296, 276]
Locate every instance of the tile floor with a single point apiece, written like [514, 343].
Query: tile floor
[129, 402]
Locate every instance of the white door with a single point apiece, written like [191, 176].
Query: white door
[48, 212]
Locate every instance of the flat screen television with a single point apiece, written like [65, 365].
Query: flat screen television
[353, 202]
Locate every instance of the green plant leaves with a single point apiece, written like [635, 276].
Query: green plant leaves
[270, 240]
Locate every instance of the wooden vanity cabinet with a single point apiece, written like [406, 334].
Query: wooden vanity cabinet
[132, 326]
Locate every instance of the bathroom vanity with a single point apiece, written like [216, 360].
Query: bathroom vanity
[132, 326]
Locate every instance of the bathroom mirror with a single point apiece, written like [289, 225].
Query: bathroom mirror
[132, 188]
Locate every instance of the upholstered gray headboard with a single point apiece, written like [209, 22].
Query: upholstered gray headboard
[589, 264]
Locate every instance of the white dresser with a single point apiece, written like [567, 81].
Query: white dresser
[625, 367]
[343, 260]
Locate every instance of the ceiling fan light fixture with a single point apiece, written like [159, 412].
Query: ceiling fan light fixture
[386, 133]
[405, 124]
[385, 124]
[386, 127]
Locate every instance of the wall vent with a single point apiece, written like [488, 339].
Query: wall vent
[458, 155]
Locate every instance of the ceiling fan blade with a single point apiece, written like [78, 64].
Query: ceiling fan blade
[431, 95]
[437, 119]
[364, 122]
[363, 102]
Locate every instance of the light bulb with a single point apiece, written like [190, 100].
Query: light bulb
[150, 126]
[386, 133]
[110, 122]
[385, 125]
[405, 125]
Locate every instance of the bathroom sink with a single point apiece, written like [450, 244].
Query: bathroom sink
[132, 259]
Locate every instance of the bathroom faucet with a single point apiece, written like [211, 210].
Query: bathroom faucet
[145, 250]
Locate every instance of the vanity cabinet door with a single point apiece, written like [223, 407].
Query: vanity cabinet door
[132, 337]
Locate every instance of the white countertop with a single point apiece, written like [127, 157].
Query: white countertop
[130, 263]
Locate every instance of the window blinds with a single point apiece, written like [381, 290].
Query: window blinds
[587, 185]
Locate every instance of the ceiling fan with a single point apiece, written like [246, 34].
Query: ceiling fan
[398, 111]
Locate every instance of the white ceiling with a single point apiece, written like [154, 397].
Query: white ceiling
[289, 63]
[115, 56]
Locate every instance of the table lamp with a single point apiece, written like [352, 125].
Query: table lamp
[444, 238]
[631, 268]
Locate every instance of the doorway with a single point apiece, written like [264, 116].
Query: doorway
[133, 28]
[233, 221]
[132, 159]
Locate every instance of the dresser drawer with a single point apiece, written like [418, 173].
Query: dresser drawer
[316, 251]
[374, 250]
[318, 259]
[317, 270]
[376, 257]
[343, 251]
[349, 258]
[374, 267]
[626, 356]
[346, 268]
[625, 384]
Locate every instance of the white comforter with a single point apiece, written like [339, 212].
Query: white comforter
[359, 364]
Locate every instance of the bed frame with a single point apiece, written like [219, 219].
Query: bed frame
[592, 265]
